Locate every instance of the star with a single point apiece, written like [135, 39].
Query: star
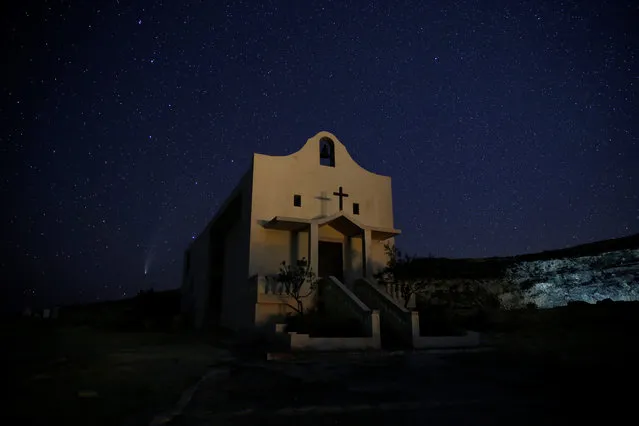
[504, 131]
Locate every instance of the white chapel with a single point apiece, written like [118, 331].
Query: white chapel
[316, 203]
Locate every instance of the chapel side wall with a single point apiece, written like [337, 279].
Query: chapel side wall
[238, 298]
[198, 293]
[277, 178]
[231, 315]
[247, 295]
[186, 288]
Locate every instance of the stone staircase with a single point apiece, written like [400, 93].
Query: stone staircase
[382, 316]
[403, 324]
[399, 325]
[338, 304]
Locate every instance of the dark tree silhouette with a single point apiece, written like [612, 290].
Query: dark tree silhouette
[293, 278]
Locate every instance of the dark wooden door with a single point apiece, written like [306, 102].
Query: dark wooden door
[330, 261]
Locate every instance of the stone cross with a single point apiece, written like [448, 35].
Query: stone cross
[323, 199]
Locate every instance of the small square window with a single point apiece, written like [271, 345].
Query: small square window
[355, 208]
[297, 200]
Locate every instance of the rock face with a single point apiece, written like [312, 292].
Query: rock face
[592, 272]
[555, 282]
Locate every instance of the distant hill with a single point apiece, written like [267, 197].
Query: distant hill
[147, 309]
[495, 267]
[123, 303]
[590, 249]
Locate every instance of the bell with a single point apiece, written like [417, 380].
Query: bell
[325, 152]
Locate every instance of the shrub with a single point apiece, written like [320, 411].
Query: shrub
[294, 278]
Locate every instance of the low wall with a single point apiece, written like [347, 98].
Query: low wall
[303, 342]
[272, 302]
[340, 303]
[269, 313]
[471, 339]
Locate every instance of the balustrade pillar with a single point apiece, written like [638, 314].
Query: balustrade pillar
[313, 246]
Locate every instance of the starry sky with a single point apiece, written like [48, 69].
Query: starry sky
[507, 126]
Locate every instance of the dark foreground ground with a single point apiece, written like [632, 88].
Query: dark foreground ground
[69, 375]
[545, 367]
[559, 366]
[416, 388]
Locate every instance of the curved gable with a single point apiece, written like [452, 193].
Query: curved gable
[310, 156]
[298, 185]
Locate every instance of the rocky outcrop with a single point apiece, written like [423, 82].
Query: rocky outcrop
[555, 282]
[588, 273]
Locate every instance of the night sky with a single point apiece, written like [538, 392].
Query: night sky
[507, 126]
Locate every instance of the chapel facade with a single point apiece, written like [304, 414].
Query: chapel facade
[317, 204]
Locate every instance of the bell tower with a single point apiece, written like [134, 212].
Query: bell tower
[327, 152]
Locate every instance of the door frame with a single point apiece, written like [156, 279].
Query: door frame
[332, 241]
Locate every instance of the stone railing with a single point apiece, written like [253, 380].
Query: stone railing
[268, 284]
[269, 290]
[340, 302]
[403, 322]
[395, 291]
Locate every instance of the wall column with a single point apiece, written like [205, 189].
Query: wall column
[313, 247]
[366, 254]
[347, 260]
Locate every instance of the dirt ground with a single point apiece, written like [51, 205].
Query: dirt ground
[84, 376]
[474, 388]
[412, 388]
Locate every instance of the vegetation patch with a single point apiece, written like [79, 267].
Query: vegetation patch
[577, 332]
